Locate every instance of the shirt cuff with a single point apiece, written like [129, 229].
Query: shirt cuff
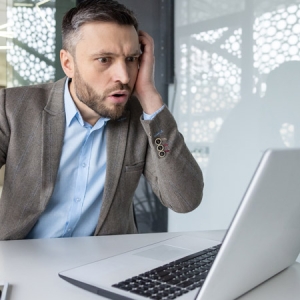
[150, 117]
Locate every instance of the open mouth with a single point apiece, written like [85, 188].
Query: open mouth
[119, 97]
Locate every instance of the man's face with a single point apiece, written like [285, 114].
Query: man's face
[105, 68]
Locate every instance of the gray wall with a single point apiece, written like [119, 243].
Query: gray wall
[238, 70]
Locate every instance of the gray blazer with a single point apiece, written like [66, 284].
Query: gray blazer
[32, 124]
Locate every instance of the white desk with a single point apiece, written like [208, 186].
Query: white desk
[31, 266]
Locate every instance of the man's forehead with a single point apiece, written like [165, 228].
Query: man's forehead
[107, 36]
[104, 28]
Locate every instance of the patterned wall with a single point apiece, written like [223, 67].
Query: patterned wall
[210, 58]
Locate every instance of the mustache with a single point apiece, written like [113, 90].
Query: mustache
[117, 87]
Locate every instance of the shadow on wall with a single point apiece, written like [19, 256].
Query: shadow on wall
[271, 121]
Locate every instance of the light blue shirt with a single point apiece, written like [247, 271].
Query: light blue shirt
[74, 207]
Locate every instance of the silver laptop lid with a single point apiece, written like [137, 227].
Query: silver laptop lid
[264, 236]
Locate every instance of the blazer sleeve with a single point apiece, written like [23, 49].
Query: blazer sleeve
[170, 168]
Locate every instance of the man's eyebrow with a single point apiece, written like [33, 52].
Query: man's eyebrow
[104, 53]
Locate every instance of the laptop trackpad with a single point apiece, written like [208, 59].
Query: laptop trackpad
[163, 252]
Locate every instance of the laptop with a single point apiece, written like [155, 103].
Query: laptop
[263, 239]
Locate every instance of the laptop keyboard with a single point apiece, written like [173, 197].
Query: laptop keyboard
[173, 279]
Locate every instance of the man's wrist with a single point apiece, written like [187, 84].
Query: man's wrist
[150, 102]
[152, 116]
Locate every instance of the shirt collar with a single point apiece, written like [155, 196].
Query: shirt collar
[70, 107]
[72, 111]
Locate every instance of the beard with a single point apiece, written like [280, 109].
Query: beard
[87, 95]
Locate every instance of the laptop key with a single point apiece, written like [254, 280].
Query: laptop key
[185, 284]
[163, 273]
[168, 278]
[174, 281]
[196, 285]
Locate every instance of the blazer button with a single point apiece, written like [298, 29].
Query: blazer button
[160, 148]
[157, 141]
[162, 153]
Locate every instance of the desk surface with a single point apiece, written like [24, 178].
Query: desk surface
[31, 266]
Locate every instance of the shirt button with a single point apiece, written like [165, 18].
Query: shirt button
[77, 199]
[69, 229]
[83, 165]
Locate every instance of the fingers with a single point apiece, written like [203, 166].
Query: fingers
[144, 85]
[146, 41]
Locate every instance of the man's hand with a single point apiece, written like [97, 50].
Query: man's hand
[145, 89]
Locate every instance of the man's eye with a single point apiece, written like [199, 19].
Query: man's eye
[131, 58]
[104, 60]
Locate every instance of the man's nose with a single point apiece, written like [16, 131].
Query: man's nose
[121, 73]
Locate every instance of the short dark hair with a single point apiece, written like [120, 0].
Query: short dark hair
[93, 11]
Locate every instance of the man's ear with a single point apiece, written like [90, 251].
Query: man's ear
[67, 62]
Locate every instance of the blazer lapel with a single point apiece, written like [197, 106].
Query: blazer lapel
[116, 146]
[53, 124]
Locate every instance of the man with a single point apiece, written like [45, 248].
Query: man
[74, 150]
